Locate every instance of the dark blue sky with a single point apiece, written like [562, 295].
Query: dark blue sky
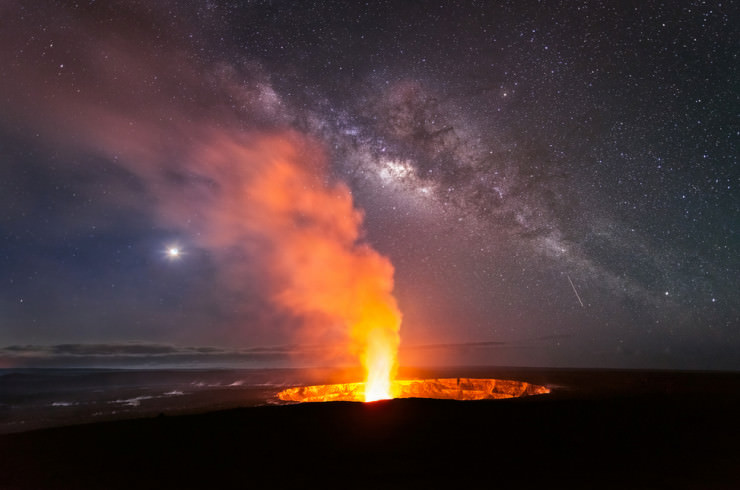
[556, 180]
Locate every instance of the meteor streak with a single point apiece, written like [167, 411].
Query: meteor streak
[574, 290]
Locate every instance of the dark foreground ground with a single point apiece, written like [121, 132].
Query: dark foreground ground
[601, 430]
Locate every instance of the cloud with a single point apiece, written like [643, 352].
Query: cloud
[461, 346]
[133, 354]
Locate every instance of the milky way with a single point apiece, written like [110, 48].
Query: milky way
[555, 183]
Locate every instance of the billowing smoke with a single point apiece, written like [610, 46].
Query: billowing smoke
[212, 147]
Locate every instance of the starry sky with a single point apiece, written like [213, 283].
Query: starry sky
[554, 182]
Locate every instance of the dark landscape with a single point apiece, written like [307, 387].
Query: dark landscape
[597, 429]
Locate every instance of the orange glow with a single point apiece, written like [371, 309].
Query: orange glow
[444, 388]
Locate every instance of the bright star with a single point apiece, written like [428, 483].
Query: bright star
[173, 252]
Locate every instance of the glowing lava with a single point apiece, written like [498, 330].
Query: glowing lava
[380, 363]
[442, 388]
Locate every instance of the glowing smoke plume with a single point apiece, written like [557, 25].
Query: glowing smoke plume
[324, 272]
[212, 156]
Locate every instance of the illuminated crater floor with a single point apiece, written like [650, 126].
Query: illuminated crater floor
[442, 388]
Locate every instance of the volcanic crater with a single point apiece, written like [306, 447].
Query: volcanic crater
[440, 388]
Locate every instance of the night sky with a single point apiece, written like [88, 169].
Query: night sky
[555, 183]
